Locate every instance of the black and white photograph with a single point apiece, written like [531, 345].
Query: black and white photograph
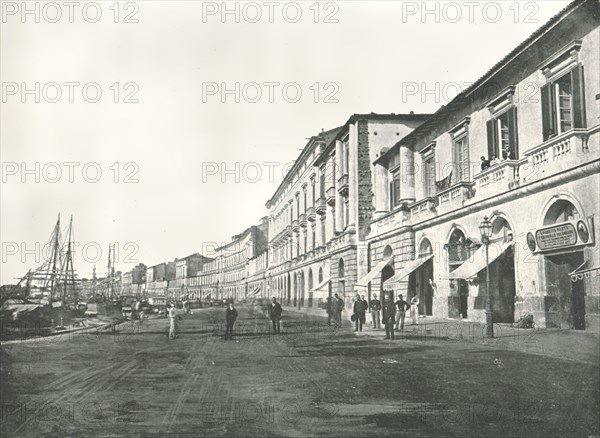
[300, 218]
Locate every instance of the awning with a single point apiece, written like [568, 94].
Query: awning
[364, 281]
[255, 291]
[322, 284]
[206, 295]
[476, 262]
[580, 274]
[407, 270]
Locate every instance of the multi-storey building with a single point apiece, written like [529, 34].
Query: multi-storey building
[319, 215]
[227, 275]
[535, 116]
[158, 277]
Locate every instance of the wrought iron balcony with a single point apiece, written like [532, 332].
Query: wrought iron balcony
[343, 185]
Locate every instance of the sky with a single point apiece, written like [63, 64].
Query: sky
[165, 127]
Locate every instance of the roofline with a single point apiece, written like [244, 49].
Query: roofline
[503, 63]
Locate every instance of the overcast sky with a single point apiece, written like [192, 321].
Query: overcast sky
[172, 131]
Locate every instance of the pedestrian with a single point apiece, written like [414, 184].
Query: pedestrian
[389, 315]
[402, 307]
[329, 310]
[414, 309]
[359, 313]
[338, 307]
[231, 315]
[173, 321]
[275, 311]
[366, 306]
[375, 306]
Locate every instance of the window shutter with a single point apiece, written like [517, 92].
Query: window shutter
[547, 112]
[513, 133]
[578, 97]
[466, 174]
[491, 137]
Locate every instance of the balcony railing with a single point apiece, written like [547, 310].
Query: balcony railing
[302, 220]
[423, 209]
[497, 179]
[455, 196]
[310, 214]
[557, 154]
[320, 206]
[330, 196]
[343, 185]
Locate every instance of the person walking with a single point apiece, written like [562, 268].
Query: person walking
[366, 306]
[338, 307]
[414, 309]
[402, 307]
[375, 306]
[275, 311]
[359, 313]
[389, 315]
[231, 315]
[173, 321]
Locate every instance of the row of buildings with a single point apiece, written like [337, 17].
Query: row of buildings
[395, 201]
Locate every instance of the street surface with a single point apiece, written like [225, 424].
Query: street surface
[312, 380]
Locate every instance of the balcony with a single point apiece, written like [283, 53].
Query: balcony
[295, 226]
[330, 196]
[302, 220]
[454, 197]
[497, 179]
[422, 210]
[558, 154]
[310, 214]
[343, 185]
[320, 206]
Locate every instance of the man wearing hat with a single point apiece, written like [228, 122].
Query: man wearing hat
[376, 311]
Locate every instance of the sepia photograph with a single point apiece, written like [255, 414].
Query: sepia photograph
[300, 219]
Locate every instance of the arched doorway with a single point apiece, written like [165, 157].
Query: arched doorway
[310, 287]
[386, 295]
[424, 278]
[295, 289]
[341, 280]
[502, 274]
[302, 292]
[289, 290]
[565, 300]
[458, 253]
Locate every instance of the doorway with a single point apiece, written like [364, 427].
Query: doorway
[566, 299]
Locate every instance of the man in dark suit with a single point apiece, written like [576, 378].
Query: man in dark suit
[403, 307]
[338, 307]
[359, 313]
[275, 311]
[231, 315]
[389, 318]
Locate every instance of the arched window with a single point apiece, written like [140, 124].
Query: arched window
[561, 211]
[425, 248]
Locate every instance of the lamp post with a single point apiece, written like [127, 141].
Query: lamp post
[485, 228]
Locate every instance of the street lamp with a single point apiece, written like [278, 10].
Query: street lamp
[485, 228]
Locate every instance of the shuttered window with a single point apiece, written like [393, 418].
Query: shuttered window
[461, 160]
[395, 192]
[429, 176]
[563, 104]
[503, 142]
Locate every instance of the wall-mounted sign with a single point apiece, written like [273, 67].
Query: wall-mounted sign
[559, 236]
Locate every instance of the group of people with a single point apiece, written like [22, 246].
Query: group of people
[231, 315]
[334, 308]
[394, 313]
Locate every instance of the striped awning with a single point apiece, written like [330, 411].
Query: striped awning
[364, 281]
[477, 262]
[406, 271]
[322, 284]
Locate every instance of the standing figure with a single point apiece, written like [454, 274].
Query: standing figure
[403, 307]
[376, 311]
[275, 311]
[329, 310]
[389, 315]
[414, 309]
[359, 313]
[173, 321]
[231, 315]
[338, 307]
